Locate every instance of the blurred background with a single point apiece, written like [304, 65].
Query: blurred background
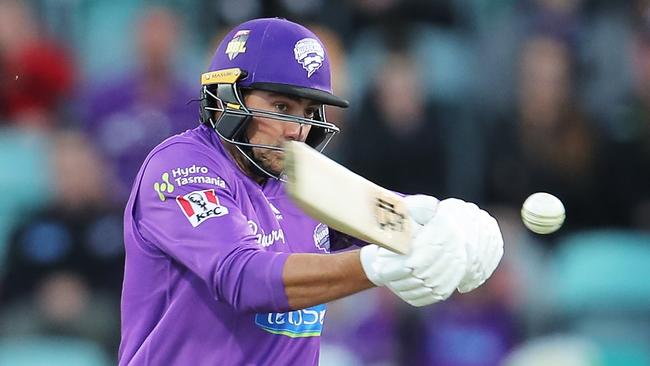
[487, 100]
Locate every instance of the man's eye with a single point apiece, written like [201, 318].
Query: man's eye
[310, 113]
[281, 107]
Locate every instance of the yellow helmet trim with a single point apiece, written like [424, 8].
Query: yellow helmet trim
[225, 76]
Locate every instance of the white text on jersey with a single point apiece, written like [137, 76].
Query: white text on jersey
[187, 175]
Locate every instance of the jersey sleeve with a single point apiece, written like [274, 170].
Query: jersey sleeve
[186, 210]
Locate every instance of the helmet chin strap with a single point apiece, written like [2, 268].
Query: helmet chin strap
[245, 148]
[247, 151]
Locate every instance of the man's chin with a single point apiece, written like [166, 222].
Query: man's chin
[275, 170]
[275, 165]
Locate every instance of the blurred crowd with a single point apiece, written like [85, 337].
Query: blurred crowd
[488, 101]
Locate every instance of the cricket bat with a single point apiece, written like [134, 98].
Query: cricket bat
[345, 201]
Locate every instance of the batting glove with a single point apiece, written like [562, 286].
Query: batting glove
[483, 240]
[432, 269]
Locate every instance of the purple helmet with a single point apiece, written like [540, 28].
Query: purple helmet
[278, 55]
[271, 54]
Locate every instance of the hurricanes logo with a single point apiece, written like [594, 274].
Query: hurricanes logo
[310, 54]
[163, 187]
[322, 238]
[238, 44]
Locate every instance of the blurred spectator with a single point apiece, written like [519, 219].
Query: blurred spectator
[552, 146]
[372, 334]
[79, 230]
[475, 329]
[129, 115]
[467, 331]
[334, 46]
[397, 139]
[426, 72]
[65, 262]
[627, 162]
[393, 15]
[560, 18]
[36, 74]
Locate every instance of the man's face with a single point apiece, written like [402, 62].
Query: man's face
[267, 131]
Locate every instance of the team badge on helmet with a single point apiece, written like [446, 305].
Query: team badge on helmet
[310, 54]
[238, 44]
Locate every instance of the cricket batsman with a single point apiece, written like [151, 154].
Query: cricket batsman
[221, 267]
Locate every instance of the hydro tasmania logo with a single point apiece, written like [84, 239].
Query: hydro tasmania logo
[182, 176]
[164, 187]
[199, 206]
[195, 175]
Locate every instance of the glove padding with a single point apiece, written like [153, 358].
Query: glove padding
[484, 242]
[434, 266]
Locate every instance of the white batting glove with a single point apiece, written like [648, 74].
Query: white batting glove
[421, 209]
[483, 240]
[434, 266]
[368, 257]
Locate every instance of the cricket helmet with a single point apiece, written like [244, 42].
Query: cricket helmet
[275, 55]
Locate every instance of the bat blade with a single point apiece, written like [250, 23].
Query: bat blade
[345, 201]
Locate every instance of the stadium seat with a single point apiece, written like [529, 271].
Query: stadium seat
[24, 178]
[51, 351]
[603, 271]
[601, 291]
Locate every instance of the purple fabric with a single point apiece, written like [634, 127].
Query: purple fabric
[461, 333]
[367, 324]
[204, 259]
[126, 120]
[273, 54]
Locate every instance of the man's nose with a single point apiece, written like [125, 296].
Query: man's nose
[294, 131]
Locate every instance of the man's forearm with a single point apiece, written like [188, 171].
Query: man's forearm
[312, 279]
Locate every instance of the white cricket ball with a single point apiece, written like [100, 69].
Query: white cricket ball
[542, 213]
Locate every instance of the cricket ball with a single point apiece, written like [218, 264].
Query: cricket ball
[542, 213]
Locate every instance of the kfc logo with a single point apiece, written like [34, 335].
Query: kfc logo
[199, 206]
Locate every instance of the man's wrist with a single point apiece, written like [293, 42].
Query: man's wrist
[367, 256]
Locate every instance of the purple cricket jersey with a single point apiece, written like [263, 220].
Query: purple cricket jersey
[206, 245]
[205, 249]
